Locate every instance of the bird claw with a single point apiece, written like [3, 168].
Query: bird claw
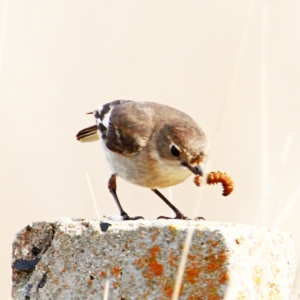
[127, 218]
[178, 216]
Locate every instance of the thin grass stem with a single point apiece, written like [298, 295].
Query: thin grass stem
[106, 290]
[92, 194]
[183, 262]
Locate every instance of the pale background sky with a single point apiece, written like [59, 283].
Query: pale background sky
[234, 66]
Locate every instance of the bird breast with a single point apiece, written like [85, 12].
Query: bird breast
[144, 170]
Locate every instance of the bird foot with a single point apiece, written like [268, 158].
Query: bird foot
[178, 216]
[127, 218]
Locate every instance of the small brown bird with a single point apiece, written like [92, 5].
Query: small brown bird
[148, 144]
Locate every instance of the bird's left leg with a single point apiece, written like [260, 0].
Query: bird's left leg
[178, 214]
[112, 186]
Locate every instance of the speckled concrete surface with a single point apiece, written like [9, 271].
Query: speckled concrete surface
[72, 259]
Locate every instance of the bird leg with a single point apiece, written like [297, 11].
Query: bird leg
[178, 215]
[112, 186]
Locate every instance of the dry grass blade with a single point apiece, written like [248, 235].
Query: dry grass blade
[106, 290]
[183, 261]
[93, 196]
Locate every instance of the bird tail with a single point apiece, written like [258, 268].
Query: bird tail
[88, 134]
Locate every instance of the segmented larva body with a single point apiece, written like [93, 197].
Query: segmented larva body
[223, 178]
[197, 180]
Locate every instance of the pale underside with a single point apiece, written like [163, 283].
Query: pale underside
[151, 172]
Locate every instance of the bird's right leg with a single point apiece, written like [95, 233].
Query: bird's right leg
[178, 214]
[112, 186]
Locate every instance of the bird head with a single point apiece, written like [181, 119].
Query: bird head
[183, 145]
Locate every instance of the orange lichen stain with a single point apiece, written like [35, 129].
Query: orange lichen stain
[214, 243]
[140, 262]
[223, 278]
[205, 296]
[153, 271]
[151, 263]
[115, 284]
[222, 256]
[191, 275]
[156, 268]
[192, 270]
[156, 233]
[115, 271]
[154, 237]
[212, 267]
[216, 262]
[102, 274]
[213, 297]
[191, 257]
[209, 269]
[154, 251]
[173, 259]
[168, 290]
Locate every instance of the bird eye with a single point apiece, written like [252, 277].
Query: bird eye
[174, 151]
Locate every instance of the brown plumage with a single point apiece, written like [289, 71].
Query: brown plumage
[88, 134]
[148, 144]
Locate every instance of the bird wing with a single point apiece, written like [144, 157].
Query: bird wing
[129, 127]
[88, 134]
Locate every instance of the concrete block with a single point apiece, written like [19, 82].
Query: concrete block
[73, 259]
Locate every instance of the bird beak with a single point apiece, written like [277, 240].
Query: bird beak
[196, 169]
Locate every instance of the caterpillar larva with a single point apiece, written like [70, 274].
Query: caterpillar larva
[197, 180]
[223, 178]
[217, 177]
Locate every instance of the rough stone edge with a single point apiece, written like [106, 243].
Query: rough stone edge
[28, 258]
